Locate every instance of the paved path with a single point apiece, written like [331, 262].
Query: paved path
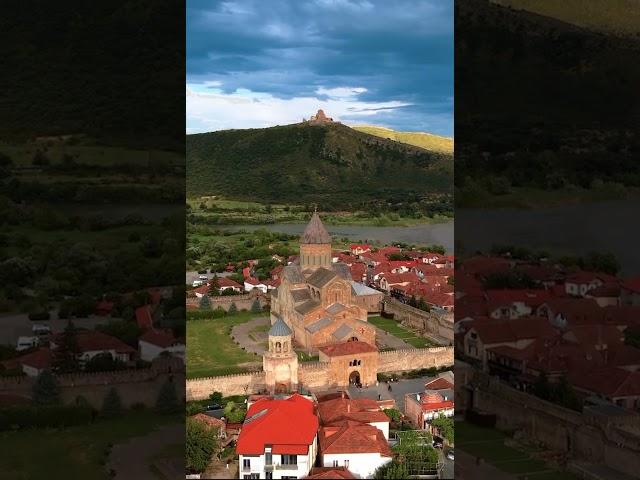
[398, 390]
[241, 334]
[132, 460]
[193, 275]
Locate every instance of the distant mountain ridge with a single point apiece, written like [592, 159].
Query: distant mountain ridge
[428, 141]
[331, 164]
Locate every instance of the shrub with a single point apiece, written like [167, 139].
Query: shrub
[194, 409]
[46, 390]
[167, 401]
[233, 309]
[44, 416]
[200, 443]
[112, 405]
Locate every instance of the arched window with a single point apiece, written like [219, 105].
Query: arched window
[359, 362]
[354, 363]
[285, 347]
[351, 364]
[278, 347]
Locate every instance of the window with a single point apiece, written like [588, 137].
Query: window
[346, 464]
[246, 463]
[268, 475]
[289, 459]
[335, 463]
[278, 347]
[268, 459]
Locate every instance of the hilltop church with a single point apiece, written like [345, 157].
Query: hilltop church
[317, 298]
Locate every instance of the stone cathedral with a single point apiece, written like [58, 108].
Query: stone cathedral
[316, 296]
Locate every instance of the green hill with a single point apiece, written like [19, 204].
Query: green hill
[333, 165]
[609, 16]
[427, 141]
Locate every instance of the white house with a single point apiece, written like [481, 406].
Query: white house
[93, 343]
[154, 342]
[359, 447]
[250, 283]
[278, 438]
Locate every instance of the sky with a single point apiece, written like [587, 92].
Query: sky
[258, 63]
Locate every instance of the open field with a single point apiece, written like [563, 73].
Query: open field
[489, 444]
[397, 330]
[211, 351]
[74, 452]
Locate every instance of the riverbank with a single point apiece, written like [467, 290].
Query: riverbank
[215, 211]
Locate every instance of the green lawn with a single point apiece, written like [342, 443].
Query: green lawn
[212, 352]
[397, 330]
[75, 452]
[489, 444]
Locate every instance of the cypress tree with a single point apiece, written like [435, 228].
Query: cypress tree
[46, 390]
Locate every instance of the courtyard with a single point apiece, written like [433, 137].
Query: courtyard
[391, 327]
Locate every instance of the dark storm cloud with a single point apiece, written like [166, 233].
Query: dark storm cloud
[400, 50]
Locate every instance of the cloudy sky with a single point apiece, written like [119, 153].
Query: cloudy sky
[257, 63]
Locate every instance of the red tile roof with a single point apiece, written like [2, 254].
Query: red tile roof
[493, 331]
[340, 409]
[39, 359]
[347, 348]
[608, 381]
[94, 341]
[358, 270]
[143, 317]
[438, 384]
[267, 423]
[210, 421]
[227, 282]
[329, 473]
[632, 284]
[435, 406]
[159, 338]
[353, 437]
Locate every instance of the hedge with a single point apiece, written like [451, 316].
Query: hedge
[39, 417]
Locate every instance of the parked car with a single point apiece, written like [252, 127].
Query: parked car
[450, 454]
[25, 343]
[203, 278]
[437, 442]
[213, 406]
[41, 330]
[197, 283]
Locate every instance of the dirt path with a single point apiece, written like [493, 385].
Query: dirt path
[133, 460]
[241, 334]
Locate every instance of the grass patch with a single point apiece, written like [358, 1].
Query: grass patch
[212, 351]
[75, 452]
[394, 328]
[489, 444]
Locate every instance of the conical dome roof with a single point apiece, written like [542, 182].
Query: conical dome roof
[315, 231]
[279, 329]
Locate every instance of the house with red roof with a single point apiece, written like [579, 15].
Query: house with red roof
[93, 343]
[579, 283]
[278, 438]
[423, 408]
[225, 283]
[606, 295]
[401, 266]
[514, 303]
[153, 343]
[358, 447]
[251, 282]
[144, 317]
[32, 363]
[212, 422]
[630, 292]
[358, 272]
[338, 410]
[616, 385]
[390, 280]
[358, 249]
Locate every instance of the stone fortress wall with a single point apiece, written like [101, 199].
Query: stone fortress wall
[316, 375]
[134, 386]
[243, 302]
[583, 436]
[438, 326]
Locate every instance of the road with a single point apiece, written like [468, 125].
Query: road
[17, 325]
[448, 467]
[192, 275]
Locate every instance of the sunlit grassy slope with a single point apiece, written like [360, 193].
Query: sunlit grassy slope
[428, 141]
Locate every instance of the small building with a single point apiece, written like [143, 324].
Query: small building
[358, 447]
[422, 408]
[329, 473]
[367, 297]
[268, 446]
[251, 282]
[337, 411]
[152, 343]
[358, 249]
[212, 422]
[93, 343]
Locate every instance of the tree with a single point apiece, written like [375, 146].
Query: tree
[167, 401]
[233, 309]
[204, 303]
[46, 390]
[200, 444]
[392, 471]
[233, 413]
[445, 426]
[65, 357]
[255, 306]
[216, 397]
[393, 414]
[104, 362]
[214, 286]
[112, 405]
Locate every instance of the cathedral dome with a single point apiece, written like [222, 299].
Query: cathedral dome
[279, 329]
[315, 231]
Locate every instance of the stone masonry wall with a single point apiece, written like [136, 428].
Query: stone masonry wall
[243, 302]
[240, 384]
[415, 358]
[438, 325]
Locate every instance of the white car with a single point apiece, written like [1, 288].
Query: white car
[25, 343]
[203, 278]
[197, 283]
[450, 454]
[39, 329]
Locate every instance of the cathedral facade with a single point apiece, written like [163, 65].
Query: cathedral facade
[316, 298]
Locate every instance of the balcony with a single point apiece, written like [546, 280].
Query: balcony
[286, 467]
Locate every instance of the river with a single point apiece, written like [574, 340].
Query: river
[608, 227]
[433, 233]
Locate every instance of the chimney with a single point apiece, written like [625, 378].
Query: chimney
[349, 407]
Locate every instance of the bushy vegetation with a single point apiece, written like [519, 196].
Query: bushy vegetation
[334, 166]
[201, 442]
